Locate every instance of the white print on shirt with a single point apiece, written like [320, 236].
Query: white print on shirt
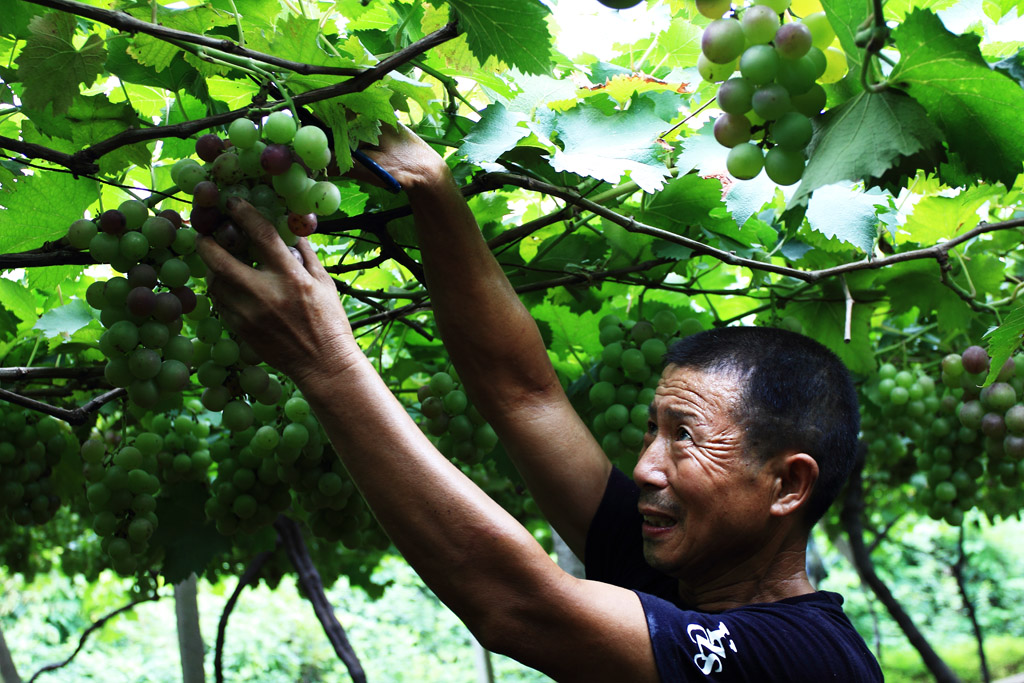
[712, 649]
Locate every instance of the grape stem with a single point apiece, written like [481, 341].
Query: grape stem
[872, 50]
[76, 416]
[848, 325]
[248, 577]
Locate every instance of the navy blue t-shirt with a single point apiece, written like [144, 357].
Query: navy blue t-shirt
[803, 639]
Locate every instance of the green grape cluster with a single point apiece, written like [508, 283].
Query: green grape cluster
[274, 169]
[143, 309]
[968, 440]
[121, 493]
[31, 445]
[181, 445]
[627, 375]
[768, 106]
[256, 465]
[462, 433]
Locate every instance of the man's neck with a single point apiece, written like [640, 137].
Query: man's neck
[752, 581]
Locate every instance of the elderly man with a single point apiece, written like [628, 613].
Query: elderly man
[695, 568]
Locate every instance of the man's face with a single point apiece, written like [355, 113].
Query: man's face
[705, 502]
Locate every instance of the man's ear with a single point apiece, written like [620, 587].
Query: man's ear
[796, 474]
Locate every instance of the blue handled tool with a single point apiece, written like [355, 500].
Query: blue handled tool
[390, 183]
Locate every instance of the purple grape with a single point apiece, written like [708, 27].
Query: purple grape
[141, 301]
[205, 194]
[142, 275]
[173, 216]
[302, 224]
[167, 308]
[187, 298]
[209, 146]
[231, 238]
[276, 159]
[298, 255]
[113, 222]
[205, 219]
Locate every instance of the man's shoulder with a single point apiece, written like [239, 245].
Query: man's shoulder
[806, 638]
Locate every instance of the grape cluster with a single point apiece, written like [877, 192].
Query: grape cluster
[627, 375]
[121, 493]
[31, 445]
[142, 311]
[272, 173]
[462, 433]
[968, 440]
[767, 108]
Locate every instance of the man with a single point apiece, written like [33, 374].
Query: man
[726, 497]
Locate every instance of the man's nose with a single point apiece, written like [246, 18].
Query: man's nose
[650, 468]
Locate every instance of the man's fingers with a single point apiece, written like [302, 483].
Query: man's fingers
[261, 232]
[222, 265]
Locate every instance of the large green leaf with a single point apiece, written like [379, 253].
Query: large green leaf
[687, 201]
[497, 131]
[846, 213]
[941, 218]
[863, 138]
[608, 147]
[29, 218]
[17, 299]
[978, 109]
[1004, 341]
[50, 65]
[514, 31]
[65, 320]
[918, 284]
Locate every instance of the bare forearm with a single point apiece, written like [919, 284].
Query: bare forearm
[471, 552]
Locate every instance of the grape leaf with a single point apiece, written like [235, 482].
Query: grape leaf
[514, 31]
[64, 320]
[1012, 66]
[977, 108]
[50, 66]
[687, 201]
[570, 331]
[17, 299]
[607, 147]
[17, 15]
[1004, 341]
[940, 218]
[825, 321]
[840, 211]
[153, 52]
[29, 221]
[497, 131]
[862, 138]
[295, 38]
[745, 198]
[919, 284]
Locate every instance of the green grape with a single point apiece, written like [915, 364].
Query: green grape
[759, 24]
[836, 66]
[93, 451]
[797, 75]
[734, 96]
[144, 363]
[713, 72]
[771, 101]
[124, 335]
[792, 130]
[174, 273]
[654, 351]
[723, 41]
[81, 233]
[190, 176]
[292, 182]
[265, 439]
[310, 143]
[237, 415]
[811, 102]
[484, 438]
[821, 30]
[665, 321]
[324, 197]
[616, 416]
[779, 6]
[759, 64]
[297, 409]
[783, 165]
[633, 361]
[295, 436]
[713, 9]
[243, 133]
[455, 402]
[279, 127]
[732, 129]
[225, 352]
[104, 247]
[602, 395]
[745, 161]
[639, 415]
[135, 213]
[441, 383]
[611, 355]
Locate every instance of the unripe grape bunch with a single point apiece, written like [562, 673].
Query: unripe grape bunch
[769, 104]
[274, 168]
[462, 433]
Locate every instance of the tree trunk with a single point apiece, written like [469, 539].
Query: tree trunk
[851, 517]
[482, 662]
[8, 672]
[190, 639]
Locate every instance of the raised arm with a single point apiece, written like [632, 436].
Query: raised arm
[496, 347]
[474, 555]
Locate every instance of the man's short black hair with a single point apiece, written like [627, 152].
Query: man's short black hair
[797, 396]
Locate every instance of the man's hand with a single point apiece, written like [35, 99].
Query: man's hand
[410, 160]
[289, 312]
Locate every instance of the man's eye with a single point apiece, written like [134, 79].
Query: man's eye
[652, 428]
[682, 434]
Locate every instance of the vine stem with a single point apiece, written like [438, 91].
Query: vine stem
[313, 588]
[248, 577]
[93, 627]
[83, 162]
[126, 22]
[76, 416]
